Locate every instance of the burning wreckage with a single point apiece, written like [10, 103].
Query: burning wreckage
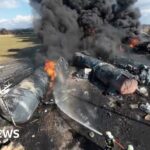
[74, 97]
[103, 96]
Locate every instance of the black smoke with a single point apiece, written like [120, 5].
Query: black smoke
[98, 26]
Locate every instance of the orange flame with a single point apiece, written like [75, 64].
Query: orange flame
[134, 42]
[49, 68]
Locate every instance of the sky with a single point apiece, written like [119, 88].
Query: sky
[18, 13]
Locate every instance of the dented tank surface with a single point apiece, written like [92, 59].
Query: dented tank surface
[122, 81]
[15, 71]
[24, 98]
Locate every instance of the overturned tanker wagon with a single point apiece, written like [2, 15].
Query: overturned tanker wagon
[122, 81]
[15, 71]
[21, 101]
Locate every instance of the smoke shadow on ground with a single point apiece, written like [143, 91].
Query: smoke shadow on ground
[31, 45]
[29, 37]
[28, 52]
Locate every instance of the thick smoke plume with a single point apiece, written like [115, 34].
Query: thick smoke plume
[66, 26]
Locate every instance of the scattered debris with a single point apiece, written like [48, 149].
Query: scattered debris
[83, 73]
[147, 117]
[145, 108]
[144, 74]
[87, 71]
[130, 147]
[33, 136]
[112, 103]
[143, 91]
[134, 106]
[141, 71]
[45, 111]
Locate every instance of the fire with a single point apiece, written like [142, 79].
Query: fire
[50, 69]
[134, 42]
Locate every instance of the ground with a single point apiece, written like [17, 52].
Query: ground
[17, 46]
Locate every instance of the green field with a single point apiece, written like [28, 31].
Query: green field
[17, 46]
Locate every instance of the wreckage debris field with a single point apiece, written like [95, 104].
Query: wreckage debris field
[118, 115]
[86, 102]
[83, 83]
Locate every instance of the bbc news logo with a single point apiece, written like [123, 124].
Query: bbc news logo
[9, 134]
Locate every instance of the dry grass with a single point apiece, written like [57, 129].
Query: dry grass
[8, 42]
